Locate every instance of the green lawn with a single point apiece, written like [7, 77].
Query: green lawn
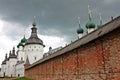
[23, 78]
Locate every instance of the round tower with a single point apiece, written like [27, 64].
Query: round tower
[33, 46]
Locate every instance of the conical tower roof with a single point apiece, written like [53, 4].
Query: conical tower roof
[34, 38]
[79, 30]
[90, 23]
[27, 61]
[4, 62]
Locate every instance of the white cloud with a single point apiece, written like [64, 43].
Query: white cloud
[52, 41]
[12, 29]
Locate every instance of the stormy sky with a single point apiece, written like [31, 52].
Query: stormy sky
[56, 19]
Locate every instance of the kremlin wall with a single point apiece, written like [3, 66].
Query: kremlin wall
[95, 56]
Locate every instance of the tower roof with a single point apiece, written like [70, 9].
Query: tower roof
[34, 38]
[4, 62]
[23, 40]
[79, 30]
[90, 23]
[27, 61]
[12, 55]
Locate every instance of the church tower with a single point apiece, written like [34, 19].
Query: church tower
[20, 52]
[12, 62]
[90, 24]
[80, 31]
[33, 46]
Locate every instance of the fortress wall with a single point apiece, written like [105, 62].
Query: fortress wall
[97, 60]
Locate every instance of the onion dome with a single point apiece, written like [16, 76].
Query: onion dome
[90, 24]
[79, 30]
[23, 40]
[34, 38]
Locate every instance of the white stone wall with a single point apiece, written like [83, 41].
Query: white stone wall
[7, 68]
[11, 65]
[3, 70]
[80, 35]
[90, 30]
[1, 74]
[34, 52]
[21, 53]
[20, 70]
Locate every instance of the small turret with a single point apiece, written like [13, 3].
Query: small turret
[50, 48]
[90, 25]
[23, 40]
[12, 55]
[80, 31]
[27, 63]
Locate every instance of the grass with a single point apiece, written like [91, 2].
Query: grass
[23, 78]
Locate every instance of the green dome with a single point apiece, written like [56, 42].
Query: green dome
[90, 24]
[80, 30]
[23, 40]
[20, 44]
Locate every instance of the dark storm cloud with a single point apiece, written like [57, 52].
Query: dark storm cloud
[56, 17]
